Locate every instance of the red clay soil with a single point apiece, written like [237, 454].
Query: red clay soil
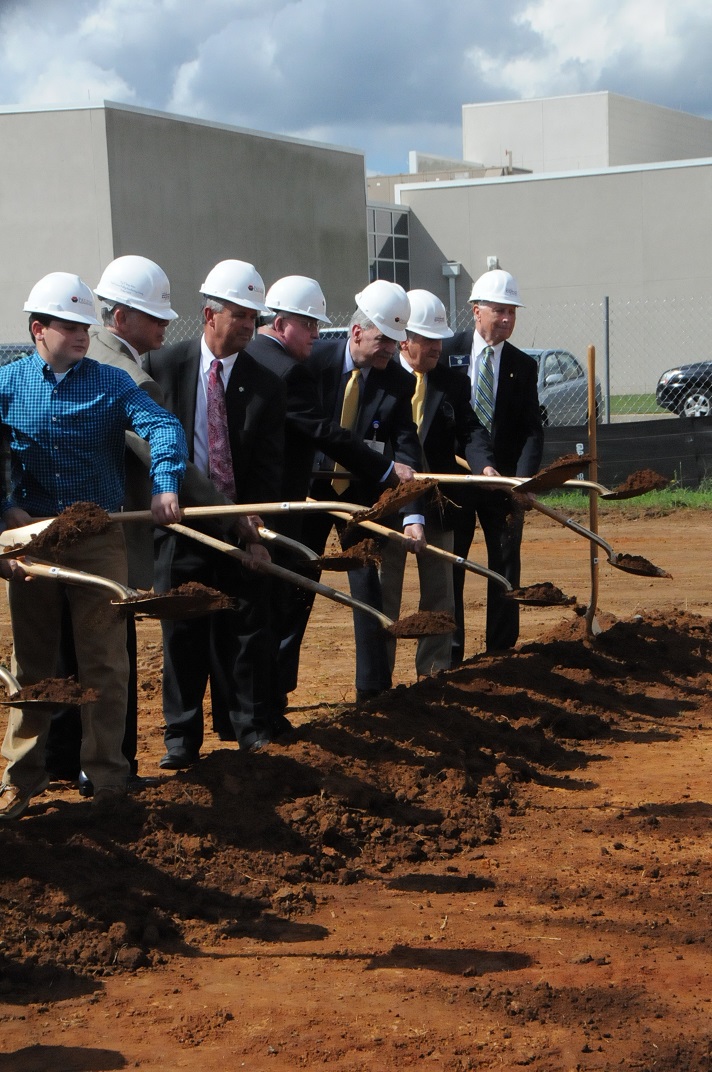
[363, 553]
[78, 521]
[505, 866]
[544, 594]
[424, 623]
[638, 483]
[56, 690]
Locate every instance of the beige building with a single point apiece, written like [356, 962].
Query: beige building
[80, 186]
[581, 131]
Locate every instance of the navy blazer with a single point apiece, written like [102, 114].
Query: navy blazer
[384, 415]
[515, 445]
[255, 401]
[308, 427]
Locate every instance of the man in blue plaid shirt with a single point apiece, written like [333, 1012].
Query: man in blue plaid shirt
[67, 416]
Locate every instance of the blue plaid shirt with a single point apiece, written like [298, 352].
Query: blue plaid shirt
[67, 437]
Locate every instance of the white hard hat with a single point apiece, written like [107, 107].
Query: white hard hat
[387, 306]
[298, 294]
[62, 296]
[427, 315]
[496, 286]
[238, 282]
[139, 283]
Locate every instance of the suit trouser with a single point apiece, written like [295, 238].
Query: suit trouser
[99, 631]
[502, 531]
[436, 594]
[231, 648]
[372, 665]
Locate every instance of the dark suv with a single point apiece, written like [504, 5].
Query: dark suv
[686, 390]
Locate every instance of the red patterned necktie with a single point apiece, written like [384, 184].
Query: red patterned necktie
[219, 454]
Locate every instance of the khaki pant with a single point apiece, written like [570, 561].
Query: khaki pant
[436, 593]
[100, 641]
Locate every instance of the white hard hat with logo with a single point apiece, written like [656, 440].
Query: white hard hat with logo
[387, 306]
[298, 294]
[427, 315]
[62, 296]
[496, 286]
[237, 282]
[139, 283]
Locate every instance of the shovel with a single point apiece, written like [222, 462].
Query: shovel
[627, 563]
[542, 595]
[193, 603]
[25, 539]
[359, 555]
[416, 625]
[45, 704]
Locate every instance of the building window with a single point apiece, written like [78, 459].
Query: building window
[389, 246]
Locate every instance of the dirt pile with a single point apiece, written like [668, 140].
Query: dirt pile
[418, 775]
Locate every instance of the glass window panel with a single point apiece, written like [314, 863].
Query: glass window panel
[385, 270]
[383, 221]
[400, 249]
[403, 275]
[400, 226]
[384, 248]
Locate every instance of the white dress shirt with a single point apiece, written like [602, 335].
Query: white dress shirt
[200, 432]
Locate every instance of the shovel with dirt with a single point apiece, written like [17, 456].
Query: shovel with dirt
[44, 537]
[535, 595]
[413, 626]
[188, 601]
[47, 695]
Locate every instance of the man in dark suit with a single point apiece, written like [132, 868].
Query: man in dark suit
[363, 388]
[232, 411]
[446, 426]
[283, 345]
[503, 391]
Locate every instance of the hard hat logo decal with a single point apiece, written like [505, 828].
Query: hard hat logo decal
[74, 298]
[250, 286]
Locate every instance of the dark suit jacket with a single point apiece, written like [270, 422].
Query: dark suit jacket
[308, 428]
[384, 415]
[254, 398]
[516, 443]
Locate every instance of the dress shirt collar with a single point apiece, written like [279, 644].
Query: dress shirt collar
[131, 349]
[207, 357]
[349, 366]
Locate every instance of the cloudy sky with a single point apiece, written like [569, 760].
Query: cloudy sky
[384, 76]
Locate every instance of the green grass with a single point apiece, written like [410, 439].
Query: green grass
[633, 404]
[672, 498]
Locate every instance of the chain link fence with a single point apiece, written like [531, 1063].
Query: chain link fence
[635, 342]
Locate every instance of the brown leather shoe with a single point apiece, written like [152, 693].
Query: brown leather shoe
[14, 801]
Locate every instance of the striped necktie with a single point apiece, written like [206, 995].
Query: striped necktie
[349, 413]
[418, 400]
[484, 395]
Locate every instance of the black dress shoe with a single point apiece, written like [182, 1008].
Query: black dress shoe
[178, 760]
[85, 785]
[280, 727]
[136, 782]
[362, 695]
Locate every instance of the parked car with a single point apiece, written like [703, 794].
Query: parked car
[563, 388]
[686, 390]
[10, 351]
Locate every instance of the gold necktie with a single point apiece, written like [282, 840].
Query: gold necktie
[349, 413]
[418, 401]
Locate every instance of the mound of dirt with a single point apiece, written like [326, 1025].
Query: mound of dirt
[418, 775]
